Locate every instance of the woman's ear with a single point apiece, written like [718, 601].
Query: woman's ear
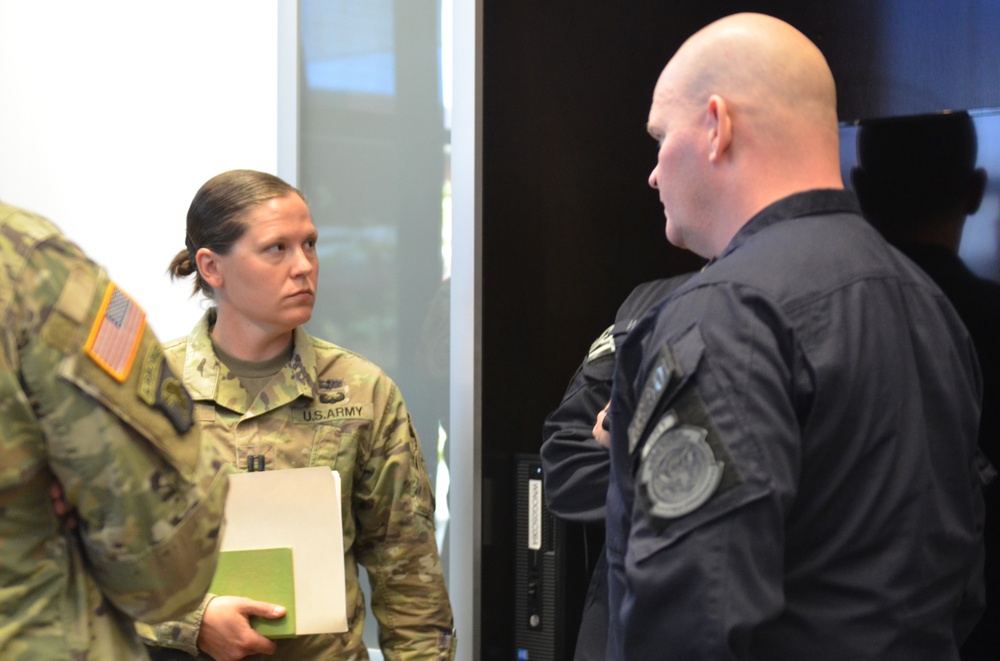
[209, 267]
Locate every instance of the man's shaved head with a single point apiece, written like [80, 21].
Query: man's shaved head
[745, 114]
[758, 62]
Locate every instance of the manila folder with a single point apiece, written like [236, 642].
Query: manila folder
[298, 508]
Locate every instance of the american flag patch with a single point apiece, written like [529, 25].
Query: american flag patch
[114, 337]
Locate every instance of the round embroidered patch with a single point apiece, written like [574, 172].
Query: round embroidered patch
[679, 472]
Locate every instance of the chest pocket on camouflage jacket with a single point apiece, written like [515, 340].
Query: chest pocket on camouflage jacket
[334, 430]
[296, 435]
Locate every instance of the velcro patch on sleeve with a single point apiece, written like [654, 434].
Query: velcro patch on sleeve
[115, 334]
[159, 388]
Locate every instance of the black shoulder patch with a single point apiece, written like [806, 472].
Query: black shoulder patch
[159, 388]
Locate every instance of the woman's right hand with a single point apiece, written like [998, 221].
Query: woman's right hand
[226, 634]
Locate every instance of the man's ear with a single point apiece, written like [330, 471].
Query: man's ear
[720, 127]
[209, 267]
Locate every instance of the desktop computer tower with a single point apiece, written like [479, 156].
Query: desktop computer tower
[551, 573]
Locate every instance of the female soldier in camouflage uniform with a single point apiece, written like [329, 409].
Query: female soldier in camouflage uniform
[264, 388]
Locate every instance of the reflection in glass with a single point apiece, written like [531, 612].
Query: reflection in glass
[373, 164]
[980, 236]
[931, 185]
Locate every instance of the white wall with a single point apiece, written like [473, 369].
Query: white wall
[114, 112]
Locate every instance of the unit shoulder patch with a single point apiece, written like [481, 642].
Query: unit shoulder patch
[159, 388]
[678, 472]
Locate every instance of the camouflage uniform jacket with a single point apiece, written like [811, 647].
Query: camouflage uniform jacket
[148, 500]
[331, 407]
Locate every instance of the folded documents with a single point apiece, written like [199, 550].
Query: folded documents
[295, 510]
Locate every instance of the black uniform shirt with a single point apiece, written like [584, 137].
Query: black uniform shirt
[797, 479]
[575, 466]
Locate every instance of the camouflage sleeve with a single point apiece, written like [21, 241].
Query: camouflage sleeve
[395, 542]
[120, 439]
[181, 634]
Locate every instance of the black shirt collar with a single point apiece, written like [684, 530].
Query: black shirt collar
[797, 205]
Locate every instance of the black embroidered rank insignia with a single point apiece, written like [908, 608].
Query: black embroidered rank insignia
[328, 398]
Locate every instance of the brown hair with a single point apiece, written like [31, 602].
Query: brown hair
[217, 217]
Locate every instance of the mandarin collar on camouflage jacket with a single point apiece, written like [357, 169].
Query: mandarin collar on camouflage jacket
[206, 378]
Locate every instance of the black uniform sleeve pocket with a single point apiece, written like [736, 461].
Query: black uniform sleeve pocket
[685, 476]
[649, 536]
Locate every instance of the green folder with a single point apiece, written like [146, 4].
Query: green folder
[264, 575]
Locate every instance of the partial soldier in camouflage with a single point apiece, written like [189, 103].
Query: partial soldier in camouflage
[267, 392]
[88, 402]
